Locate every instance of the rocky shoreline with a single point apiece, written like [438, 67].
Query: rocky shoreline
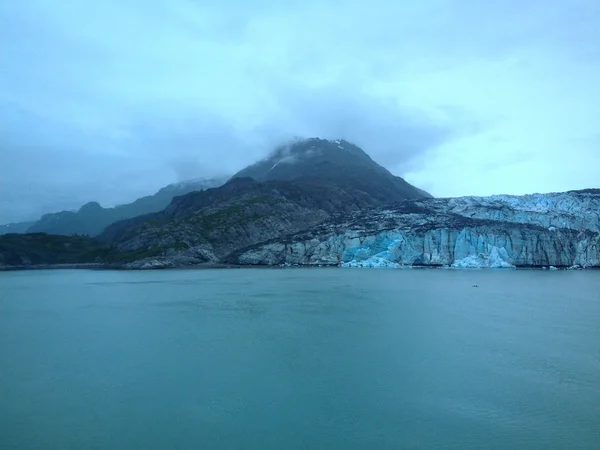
[157, 266]
[91, 266]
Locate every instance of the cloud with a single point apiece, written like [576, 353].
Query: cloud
[392, 133]
[111, 100]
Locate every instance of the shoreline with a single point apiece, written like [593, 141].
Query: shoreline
[86, 266]
[212, 266]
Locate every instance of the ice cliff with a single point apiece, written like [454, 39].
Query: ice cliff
[561, 230]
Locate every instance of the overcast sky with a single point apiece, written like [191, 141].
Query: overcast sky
[110, 100]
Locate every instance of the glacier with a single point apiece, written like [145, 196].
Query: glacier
[372, 262]
[496, 258]
[361, 256]
[542, 230]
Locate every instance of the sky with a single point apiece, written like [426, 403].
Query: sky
[111, 100]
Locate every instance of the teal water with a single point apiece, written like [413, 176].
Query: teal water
[300, 359]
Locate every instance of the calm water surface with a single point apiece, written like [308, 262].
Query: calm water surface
[300, 359]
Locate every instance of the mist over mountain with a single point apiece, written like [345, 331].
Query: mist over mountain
[19, 227]
[336, 161]
[91, 219]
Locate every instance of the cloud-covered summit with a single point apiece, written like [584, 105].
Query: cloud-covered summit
[111, 100]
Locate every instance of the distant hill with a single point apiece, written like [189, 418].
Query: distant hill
[91, 219]
[19, 227]
[25, 250]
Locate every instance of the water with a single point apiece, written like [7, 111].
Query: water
[300, 359]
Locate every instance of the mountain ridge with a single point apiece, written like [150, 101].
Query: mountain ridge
[15, 227]
[536, 230]
[322, 202]
[91, 219]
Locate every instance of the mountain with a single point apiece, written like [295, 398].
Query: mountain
[319, 202]
[245, 223]
[338, 161]
[19, 227]
[308, 204]
[279, 223]
[296, 187]
[91, 219]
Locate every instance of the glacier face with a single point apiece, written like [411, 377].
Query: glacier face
[559, 230]
[572, 210]
[495, 258]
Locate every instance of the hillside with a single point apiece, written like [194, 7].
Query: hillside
[18, 227]
[91, 219]
[40, 248]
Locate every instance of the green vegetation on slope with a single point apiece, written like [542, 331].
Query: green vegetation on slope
[41, 248]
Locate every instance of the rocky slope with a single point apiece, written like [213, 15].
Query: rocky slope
[91, 219]
[295, 188]
[559, 230]
[263, 225]
[205, 227]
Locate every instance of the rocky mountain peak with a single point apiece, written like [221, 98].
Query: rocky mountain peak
[90, 207]
[315, 151]
[334, 161]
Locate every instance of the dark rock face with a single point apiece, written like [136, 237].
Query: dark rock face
[91, 219]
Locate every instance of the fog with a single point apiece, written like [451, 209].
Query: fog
[112, 100]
